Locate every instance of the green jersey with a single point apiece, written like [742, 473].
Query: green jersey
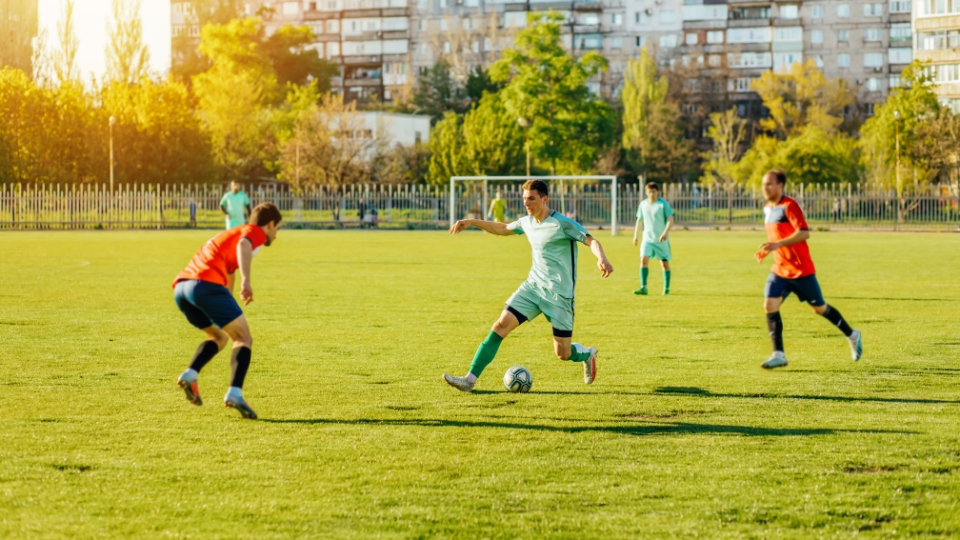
[554, 242]
[235, 204]
[498, 209]
[654, 217]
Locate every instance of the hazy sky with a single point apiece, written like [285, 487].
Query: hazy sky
[91, 19]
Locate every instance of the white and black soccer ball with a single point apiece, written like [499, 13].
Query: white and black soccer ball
[518, 380]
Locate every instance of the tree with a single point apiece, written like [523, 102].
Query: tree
[802, 97]
[568, 125]
[294, 62]
[438, 93]
[916, 104]
[188, 61]
[651, 129]
[65, 58]
[128, 58]
[811, 156]
[727, 131]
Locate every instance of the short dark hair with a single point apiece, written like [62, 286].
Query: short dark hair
[536, 185]
[779, 175]
[265, 213]
[653, 185]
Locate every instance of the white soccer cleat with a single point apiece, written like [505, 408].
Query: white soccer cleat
[590, 367]
[460, 383]
[856, 345]
[777, 359]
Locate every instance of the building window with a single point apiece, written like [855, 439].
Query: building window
[668, 41]
[668, 16]
[818, 60]
[714, 60]
[749, 60]
[789, 11]
[873, 34]
[715, 36]
[900, 32]
[783, 61]
[691, 39]
[749, 35]
[843, 35]
[590, 41]
[641, 41]
[900, 55]
[617, 19]
[589, 19]
[873, 84]
[616, 43]
[873, 10]
[750, 13]
[894, 82]
[817, 12]
[741, 84]
[843, 10]
[790, 33]
[873, 60]
[641, 18]
[816, 36]
[899, 6]
[843, 60]
[291, 8]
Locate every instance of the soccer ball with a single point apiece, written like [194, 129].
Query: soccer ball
[518, 380]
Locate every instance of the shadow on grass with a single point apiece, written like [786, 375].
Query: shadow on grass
[693, 391]
[668, 428]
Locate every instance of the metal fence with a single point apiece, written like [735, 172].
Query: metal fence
[86, 206]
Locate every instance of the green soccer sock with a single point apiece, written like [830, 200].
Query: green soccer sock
[485, 353]
[578, 353]
[644, 273]
[666, 280]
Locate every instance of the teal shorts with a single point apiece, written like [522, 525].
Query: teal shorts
[660, 250]
[531, 300]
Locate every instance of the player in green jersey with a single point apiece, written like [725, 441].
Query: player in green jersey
[235, 205]
[549, 289]
[657, 218]
[498, 208]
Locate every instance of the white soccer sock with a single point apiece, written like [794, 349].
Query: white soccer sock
[235, 391]
[471, 378]
[190, 374]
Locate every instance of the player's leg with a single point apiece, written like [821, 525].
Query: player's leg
[646, 251]
[216, 339]
[812, 294]
[560, 313]
[663, 253]
[240, 356]
[774, 294]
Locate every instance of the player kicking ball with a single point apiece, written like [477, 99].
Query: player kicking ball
[793, 270]
[204, 293]
[656, 215]
[549, 289]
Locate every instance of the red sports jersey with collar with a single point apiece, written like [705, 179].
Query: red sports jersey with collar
[782, 220]
[218, 257]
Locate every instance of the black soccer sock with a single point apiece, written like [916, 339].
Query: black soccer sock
[834, 316]
[775, 326]
[205, 353]
[239, 364]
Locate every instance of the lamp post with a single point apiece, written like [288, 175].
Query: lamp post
[525, 124]
[896, 123]
[113, 120]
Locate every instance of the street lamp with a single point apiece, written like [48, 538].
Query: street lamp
[113, 120]
[525, 124]
[896, 123]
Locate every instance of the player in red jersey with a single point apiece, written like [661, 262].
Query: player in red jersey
[204, 293]
[793, 270]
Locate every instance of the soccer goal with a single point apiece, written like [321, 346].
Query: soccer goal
[590, 200]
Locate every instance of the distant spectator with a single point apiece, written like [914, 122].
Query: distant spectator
[193, 213]
[235, 205]
[498, 208]
[837, 210]
[370, 218]
[361, 211]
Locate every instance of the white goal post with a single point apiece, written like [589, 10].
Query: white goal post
[486, 179]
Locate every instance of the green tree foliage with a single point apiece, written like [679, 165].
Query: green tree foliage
[727, 131]
[184, 47]
[569, 127]
[802, 97]
[918, 109]
[438, 93]
[127, 56]
[295, 63]
[652, 133]
[64, 60]
[810, 156]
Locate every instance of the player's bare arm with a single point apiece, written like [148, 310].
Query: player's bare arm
[666, 232]
[769, 247]
[602, 262]
[244, 256]
[636, 232]
[492, 227]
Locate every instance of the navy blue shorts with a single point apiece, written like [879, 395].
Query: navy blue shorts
[806, 288]
[206, 304]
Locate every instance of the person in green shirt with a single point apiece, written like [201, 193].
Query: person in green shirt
[235, 205]
[549, 288]
[657, 218]
[498, 208]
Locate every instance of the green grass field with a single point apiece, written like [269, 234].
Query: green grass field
[682, 435]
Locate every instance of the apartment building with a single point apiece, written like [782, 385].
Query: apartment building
[19, 23]
[937, 28]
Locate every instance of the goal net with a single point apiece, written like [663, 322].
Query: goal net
[589, 200]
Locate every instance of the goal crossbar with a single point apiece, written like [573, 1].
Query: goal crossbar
[486, 179]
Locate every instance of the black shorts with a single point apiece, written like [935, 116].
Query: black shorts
[807, 289]
[206, 304]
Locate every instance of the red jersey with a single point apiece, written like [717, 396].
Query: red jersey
[218, 257]
[782, 220]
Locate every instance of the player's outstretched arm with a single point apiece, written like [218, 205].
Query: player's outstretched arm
[244, 256]
[492, 227]
[602, 262]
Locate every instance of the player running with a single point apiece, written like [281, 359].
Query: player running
[657, 217]
[549, 289]
[793, 270]
[204, 293]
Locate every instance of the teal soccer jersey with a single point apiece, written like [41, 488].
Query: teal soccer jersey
[654, 217]
[234, 203]
[554, 243]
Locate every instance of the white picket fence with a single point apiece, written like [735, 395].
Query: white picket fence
[142, 206]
